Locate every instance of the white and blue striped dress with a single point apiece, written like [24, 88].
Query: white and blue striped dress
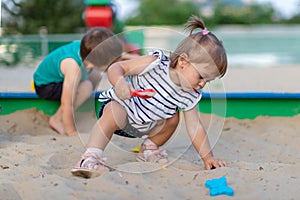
[144, 113]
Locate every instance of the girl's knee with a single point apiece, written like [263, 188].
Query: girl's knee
[115, 112]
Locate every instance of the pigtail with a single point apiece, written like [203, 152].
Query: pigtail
[201, 46]
[193, 23]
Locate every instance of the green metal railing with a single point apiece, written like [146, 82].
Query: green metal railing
[25, 48]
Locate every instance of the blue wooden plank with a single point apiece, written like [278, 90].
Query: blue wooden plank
[229, 95]
[253, 95]
[18, 95]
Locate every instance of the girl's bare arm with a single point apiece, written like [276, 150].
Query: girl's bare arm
[119, 70]
[197, 132]
[128, 67]
[199, 139]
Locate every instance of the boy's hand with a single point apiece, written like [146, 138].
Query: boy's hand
[212, 163]
[123, 89]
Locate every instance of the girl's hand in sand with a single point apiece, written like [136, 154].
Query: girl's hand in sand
[123, 89]
[212, 163]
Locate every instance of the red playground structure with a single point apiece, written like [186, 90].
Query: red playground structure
[103, 13]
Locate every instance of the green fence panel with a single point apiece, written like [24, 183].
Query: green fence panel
[284, 105]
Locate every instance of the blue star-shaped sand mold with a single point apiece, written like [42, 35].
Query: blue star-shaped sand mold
[218, 186]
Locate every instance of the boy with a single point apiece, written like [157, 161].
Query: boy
[67, 74]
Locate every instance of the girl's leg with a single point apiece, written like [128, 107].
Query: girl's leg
[114, 117]
[162, 133]
[149, 151]
[91, 162]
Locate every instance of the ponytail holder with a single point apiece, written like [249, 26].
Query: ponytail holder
[205, 31]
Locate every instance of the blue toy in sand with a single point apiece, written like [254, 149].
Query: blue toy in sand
[218, 186]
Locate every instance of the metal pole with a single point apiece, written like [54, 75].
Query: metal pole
[0, 17]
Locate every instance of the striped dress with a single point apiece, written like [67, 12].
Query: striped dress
[144, 113]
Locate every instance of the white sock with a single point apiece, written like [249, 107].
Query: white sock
[148, 142]
[95, 151]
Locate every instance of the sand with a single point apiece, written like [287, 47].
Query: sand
[262, 154]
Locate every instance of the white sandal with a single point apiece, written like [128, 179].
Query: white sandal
[90, 166]
[155, 156]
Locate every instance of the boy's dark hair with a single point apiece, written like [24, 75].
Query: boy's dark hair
[201, 46]
[100, 46]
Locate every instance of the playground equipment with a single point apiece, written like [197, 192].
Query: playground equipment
[103, 13]
[99, 13]
[99, 16]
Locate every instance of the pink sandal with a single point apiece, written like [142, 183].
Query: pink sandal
[90, 166]
[155, 156]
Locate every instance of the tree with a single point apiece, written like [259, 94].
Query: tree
[166, 12]
[246, 14]
[28, 16]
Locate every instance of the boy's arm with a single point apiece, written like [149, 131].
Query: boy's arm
[199, 139]
[72, 74]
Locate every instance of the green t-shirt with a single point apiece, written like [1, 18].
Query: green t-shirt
[49, 71]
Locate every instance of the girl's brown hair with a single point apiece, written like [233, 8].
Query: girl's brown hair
[201, 47]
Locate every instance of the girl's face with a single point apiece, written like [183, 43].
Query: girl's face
[193, 75]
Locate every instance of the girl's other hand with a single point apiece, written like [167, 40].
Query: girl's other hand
[212, 163]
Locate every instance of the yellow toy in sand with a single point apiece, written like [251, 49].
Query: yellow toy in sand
[136, 149]
[32, 86]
